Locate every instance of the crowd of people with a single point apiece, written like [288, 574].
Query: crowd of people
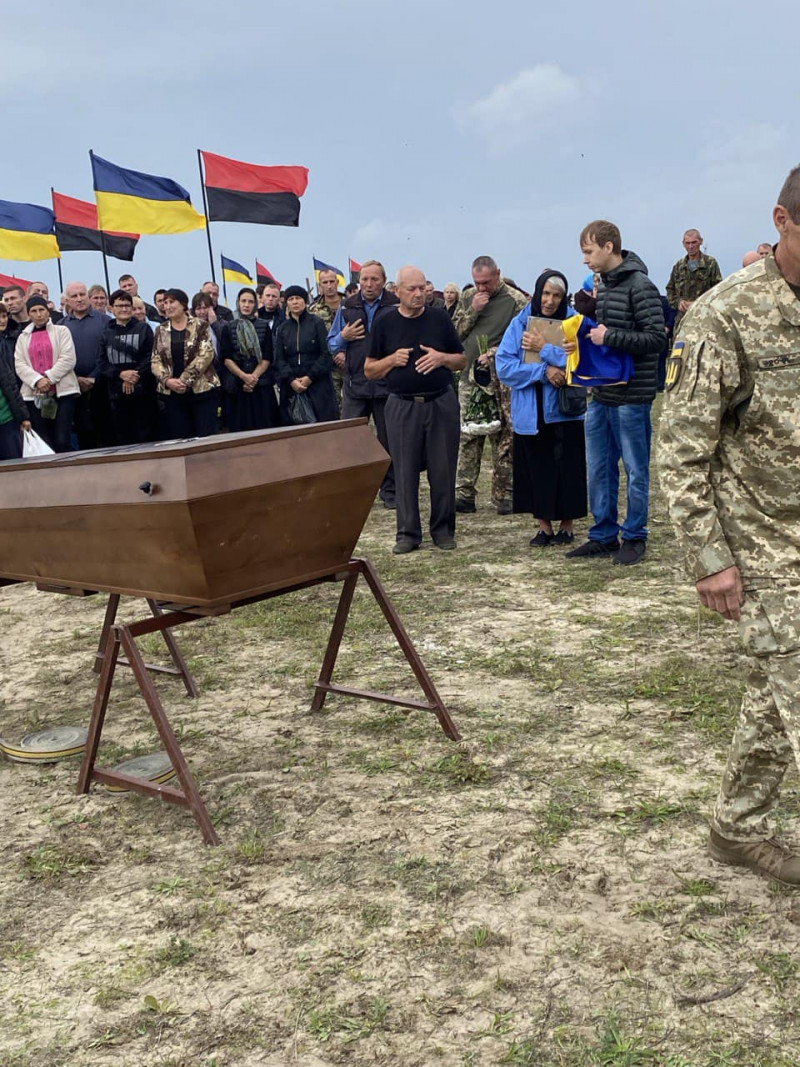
[438, 373]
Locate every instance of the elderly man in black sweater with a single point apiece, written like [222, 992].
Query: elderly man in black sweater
[631, 319]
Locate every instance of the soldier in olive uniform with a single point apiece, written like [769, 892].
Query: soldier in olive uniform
[485, 311]
[730, 466]
[691, 276]
[325, 307]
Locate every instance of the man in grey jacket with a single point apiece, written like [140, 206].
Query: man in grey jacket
[631, 319]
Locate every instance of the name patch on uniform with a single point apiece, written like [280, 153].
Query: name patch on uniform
[787, 359]
[675, 365]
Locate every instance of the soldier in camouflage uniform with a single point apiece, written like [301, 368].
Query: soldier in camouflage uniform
[485, 311]
[730, 466]
[325, 307]
[691, 276]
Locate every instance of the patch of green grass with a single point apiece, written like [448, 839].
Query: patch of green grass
[348, 1022]
[706, 694]
[375, 915]
[427, 879]
[459, 768]
[176, 952]
[54, 863]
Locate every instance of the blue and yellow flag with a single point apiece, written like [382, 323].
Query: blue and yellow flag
[235, 272]
[26, 232]
[590, 364]
[132, 202]
[320, 266]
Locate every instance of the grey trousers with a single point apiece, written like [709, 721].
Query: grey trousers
[424, 435]
[357, 408]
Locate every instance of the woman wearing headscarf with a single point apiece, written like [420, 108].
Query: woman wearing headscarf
[183, 366]
[44, 359]
[549, 448]
[245, 350]
[303, 360]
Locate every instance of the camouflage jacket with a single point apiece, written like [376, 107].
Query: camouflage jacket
[322, 311]
[492, 322]
[198, 372]
[685, 284]
[729, 447]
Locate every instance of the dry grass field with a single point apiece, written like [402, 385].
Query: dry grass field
[538, 894]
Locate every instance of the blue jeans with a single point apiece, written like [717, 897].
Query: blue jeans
[614, 433]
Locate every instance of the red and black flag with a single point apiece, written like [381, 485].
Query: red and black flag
[245, 192]
[77, 230]
[355, 271]
[265, 277]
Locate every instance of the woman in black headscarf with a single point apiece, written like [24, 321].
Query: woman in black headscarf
[245, 351]
[549, 448]
[303, 359]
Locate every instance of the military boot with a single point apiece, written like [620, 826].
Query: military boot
[767, 858]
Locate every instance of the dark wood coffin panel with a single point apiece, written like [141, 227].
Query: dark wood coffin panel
[228, 517]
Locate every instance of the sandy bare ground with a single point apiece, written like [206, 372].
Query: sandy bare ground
[538, 894]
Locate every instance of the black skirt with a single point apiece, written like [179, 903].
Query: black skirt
[550, 469]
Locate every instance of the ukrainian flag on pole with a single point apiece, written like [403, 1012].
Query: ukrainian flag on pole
[132, 202]
[26, 232]
[235, 272]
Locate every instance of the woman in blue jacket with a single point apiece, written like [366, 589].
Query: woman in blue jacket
[549, 447]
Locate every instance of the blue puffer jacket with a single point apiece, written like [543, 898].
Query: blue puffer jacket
[521, 377]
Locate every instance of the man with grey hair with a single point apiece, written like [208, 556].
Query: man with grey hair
[414, 351]
[691, 276]
[764, 249]
[729, 452]
[481, 318]
[92, 414]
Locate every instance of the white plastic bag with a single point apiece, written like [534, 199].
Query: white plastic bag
[33, 445]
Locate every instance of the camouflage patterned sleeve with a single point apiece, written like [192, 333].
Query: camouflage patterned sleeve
[673, 293]
[702, 375]
[715, 276]
[464, 318]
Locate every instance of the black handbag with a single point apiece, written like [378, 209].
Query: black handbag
[572, 400]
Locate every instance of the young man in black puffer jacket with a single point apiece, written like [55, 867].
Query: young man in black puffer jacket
[631, 320]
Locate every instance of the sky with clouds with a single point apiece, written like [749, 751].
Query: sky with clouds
[433, 132]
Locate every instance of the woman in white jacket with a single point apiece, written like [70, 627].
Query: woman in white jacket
[44, 359]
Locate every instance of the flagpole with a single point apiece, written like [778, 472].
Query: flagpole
[58, 261]
[100, 227]
[208, 225]
[224, 285]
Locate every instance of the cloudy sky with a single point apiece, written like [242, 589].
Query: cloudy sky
[434, 132]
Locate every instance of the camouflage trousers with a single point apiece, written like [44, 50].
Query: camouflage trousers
[338, 379]
[767, 734]
[470, 452]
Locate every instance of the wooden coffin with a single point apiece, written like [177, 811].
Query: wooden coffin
[225, 517]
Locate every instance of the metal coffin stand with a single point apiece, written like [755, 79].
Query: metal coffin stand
[164, 618]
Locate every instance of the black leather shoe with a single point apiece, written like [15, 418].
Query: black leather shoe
[402, 548]
[505, 507]
[465, 507]
[563, 537]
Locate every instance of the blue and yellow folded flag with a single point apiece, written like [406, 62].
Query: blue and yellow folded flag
[27, 232]
[235, 272]
[591, 364]
[320, 266]
[133, 202]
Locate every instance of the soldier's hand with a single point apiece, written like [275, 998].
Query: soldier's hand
[353, 331]
[723, 592]
[479, 301]
[401, 357]
[338, 359]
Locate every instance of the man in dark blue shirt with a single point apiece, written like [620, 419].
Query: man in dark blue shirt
[92, 417]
